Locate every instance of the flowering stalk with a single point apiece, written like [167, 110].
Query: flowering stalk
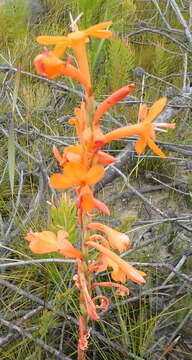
[82, 166]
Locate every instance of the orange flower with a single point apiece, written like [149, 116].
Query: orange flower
[75, 174]
[75, 38]
[117, 240]
[105, 158]
[77, 41]
[71, 153]
[86, 199]
[121, 289]
[111, 101]
[83, 334]
[47, 241]
[47, 64]
[104, 302]
[121, 269]
[101, 206]
[74, 153]
[84, 293]
[145, 130]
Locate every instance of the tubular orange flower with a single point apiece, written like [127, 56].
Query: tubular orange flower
[76, 37]
[47, 64]
[71, 154]
[93, 138]
[81, 284]
[116, 239]
[145, 130]
[74, 153]
[76, 174]
[111, 101]
[121, 289]
[86, 199]
[105, 158]
[121, 269]
[83, 335]
[77, 41]
[47, 241]
[101, 206]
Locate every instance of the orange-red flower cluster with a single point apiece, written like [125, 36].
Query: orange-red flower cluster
[83, 163]
[108, 259]
[82, 166]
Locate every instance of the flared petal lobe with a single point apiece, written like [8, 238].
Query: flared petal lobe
[140, 145]
[46, 241]
[156, 109]
[60, 182]
[94, 175]
[43, 242]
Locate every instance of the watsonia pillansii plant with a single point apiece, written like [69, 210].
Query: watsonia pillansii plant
[82, 166]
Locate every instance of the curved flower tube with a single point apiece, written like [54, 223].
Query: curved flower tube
[47, 64]
[117, 240]
[121, 289]
[121, 269]
[85, 296]
[77, 41]
[111, 101]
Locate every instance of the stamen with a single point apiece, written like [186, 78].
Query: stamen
[158, 129]
[164, 125]
[73, 25]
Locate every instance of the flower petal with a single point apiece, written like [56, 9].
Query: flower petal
[86, 199]
[57, 154]
[100, 26]
[156, 109]
[67, 250]
[101, 34]
[101, 206]
[47, 64]
[42, 242]
[51, 40]
[105, 158]
[155, 148]
[95, 174]
[60, 182]
[75, 171]
[122, 267]
[121, 289]
[60, 49]
[116, 239]
[143, 111]
[140, 145]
